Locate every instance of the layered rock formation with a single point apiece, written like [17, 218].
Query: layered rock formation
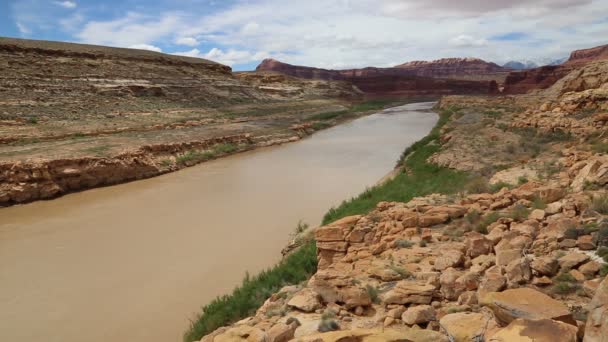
[521, 82]
[447, 76]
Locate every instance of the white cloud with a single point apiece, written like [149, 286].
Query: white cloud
[188, 41]
[22, 28]
[132, 29]
[464, 40]
[66, 4]
[146, 47]
[230, 57]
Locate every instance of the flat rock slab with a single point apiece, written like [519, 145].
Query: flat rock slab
[528, 304]
[544, 330]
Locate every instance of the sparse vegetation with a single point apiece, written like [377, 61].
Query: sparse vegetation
[519, 212]
[200, 156]
[496, 187]
[403, 243]
[600, 204]
[252, 293]
[522, 180]
[403, 273]
[373, 293]
[328, 322]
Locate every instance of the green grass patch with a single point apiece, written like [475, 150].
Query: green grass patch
[422, 178]
[252, 293]
[200, 156]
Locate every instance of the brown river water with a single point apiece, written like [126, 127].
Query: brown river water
[134, 262]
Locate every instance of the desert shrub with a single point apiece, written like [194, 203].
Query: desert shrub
[601, 238]
[572, 233]
[253, 292]
[328, 322]
[522, 180]
[422, 243]
[565, 277]
[473, 216]
[564, 288]
[602, 251]
[402, 272]
[600, 204]
[604, 270]
[600, 147]
[478, 185]
[519, 212]
[403, 243]
[373, 293]
[496, 187]
[538, 203]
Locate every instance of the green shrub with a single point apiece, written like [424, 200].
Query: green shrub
[600, 147]
[564, 288]
[473, 216]
[328, 322]
[373, 293]
[522, 180]
[572, 233]
[496, 187]
[422, 243]
[565, 277]
[604, 270]
[600, 204]
[488, 220]
[478, 185]
[403, 273]
[538, 203]
[403, 243]
[601, 238]
[519, 213]
[602, 251]
[252, 293]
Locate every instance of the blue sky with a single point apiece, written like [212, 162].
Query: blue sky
[322, 33]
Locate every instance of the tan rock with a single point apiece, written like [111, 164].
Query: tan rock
[477, 244]
[572, 260]
[418, 314]
[377, 335]
[542, 281]
[242, 333]
[409, 292]
[427, 220]
[448, 258]
[464, 326]
[329, 233]
[354, 297]
[545, 265]
[585, 243]
[281, 332]
[590, 269]
[576, 274]
[596, 329]
[526, 303]
[396, 312]
[506, 256]
[493, 281]
[447, 281]
[518, 272]
[306, 300]
[544, 330]
[554, 208]
[590, 287]
[537, 214]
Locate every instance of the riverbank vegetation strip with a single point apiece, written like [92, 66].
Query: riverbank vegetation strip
[418, 179]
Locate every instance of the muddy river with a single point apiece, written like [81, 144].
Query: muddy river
[134, 262]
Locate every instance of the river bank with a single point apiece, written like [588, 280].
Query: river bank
[25, 181]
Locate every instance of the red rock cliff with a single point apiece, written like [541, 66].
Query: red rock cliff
[520, 82]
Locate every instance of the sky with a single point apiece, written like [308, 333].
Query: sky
[322, 33]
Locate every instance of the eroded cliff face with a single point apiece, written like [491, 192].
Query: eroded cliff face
[521, 82]
[447, 76]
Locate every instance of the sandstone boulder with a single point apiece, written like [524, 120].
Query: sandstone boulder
[544, 330]
[418, 314]
[409, 292]
[464, 326]
[306, 300]
[545, 265]
[572, 260]
[526, 303]
[448, 258]
[596, 329]
[377, 335]
[477, 244]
